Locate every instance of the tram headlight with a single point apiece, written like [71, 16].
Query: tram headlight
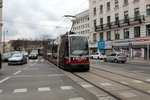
[72, 58]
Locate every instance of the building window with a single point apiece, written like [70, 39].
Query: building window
[94, 10]
[108, 20]
[108, 6]
[125, 2]
[108, 35]
[148, 30]
[126, 17]
[117, 19]
[101, 36]
[101, 9]
[148, 10]
[94, 37]
[95, 23]
[116, 4]
[137, 31]
[126, 33]
[101, 22]
[117, 35]
[136, 14]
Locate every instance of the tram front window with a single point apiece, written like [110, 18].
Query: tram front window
[79, 46]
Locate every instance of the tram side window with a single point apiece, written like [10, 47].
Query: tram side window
[67, 49]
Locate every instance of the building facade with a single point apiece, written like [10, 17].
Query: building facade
[124, 25]
[1, 24]
[81, 23]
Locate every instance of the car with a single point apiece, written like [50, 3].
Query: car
[33, 55]
[0, 60]
[6, 56]
[97, 55]
[116, 57]
[18, 58]
[25, 53]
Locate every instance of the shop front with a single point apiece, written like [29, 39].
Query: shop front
[135, 49]
[108, 47]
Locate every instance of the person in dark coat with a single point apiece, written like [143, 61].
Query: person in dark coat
[0, 60]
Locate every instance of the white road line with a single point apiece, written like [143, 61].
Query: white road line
[80, 98]
[106, 84]
[56, 75]
[44, 89]
[86, 85]
[20, 90]
[1, 91]
[127, 94]
[124, 82]
[66, 87]
[17, 73]
[4, 79]
[137, 81]
[148, 80]
[148, 91]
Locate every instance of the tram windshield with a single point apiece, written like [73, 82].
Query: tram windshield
[78, 46]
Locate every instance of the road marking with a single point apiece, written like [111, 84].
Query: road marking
[4, 79]
[44, 89]
[148, 91]
[86, 85]
[42, 60]
[56, 75]
[66, 87]
[137, 81]
[127, 94]
[17, 73]
[106, 84]
[1, 91]
[124, 82]
[80, 98]
[20, 90]
[148, 80]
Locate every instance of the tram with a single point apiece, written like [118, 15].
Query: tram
[73, 52]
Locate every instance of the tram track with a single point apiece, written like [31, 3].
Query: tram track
[114, 95]
[122, 75]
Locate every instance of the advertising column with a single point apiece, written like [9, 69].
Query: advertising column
[101, 46]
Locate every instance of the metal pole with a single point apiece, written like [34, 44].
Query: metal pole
[4, 41]
[148, 51]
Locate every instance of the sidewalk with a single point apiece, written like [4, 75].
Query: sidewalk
[138, 61]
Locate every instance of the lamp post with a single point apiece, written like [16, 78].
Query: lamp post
[4, 39]
[72, 16]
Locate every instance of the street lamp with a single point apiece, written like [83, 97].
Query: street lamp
[72, 16]
[4, 39]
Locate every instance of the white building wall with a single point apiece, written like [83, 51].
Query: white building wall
[81, 23]
[141, 4]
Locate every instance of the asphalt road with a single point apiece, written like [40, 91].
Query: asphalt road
[140, 68]
[39, 80]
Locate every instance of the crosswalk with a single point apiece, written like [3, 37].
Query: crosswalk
[40, 89]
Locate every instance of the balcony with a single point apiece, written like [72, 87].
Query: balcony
[119, 23]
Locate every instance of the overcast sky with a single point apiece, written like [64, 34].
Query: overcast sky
[39, 18]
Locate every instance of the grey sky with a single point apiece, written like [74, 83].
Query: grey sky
[33, 18]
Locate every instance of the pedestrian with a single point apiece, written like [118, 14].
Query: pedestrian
[0, 60]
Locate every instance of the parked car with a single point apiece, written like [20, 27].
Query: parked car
[97, 55]
[18, 58]
[33, 55]
[116, 57]
[6, 56]
[26, 53]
